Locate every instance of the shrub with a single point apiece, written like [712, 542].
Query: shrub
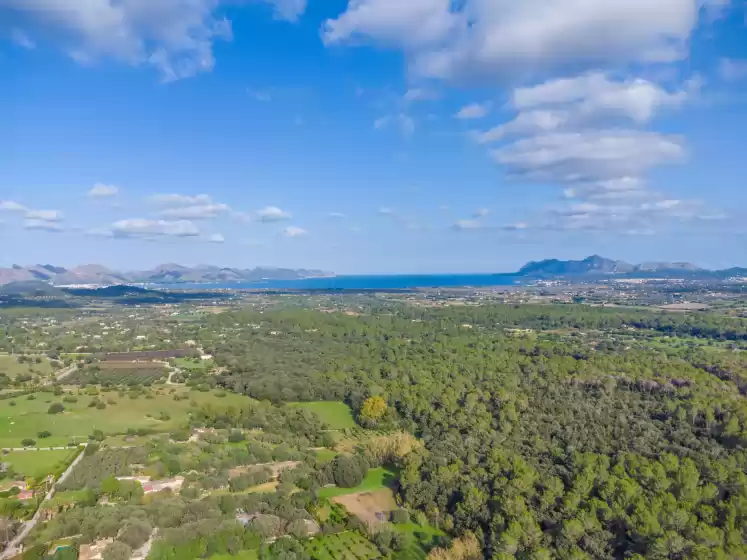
[400, 516]
[44, 434]
[69, 399]
[28, 442]
[117, 551]
[31, 398]
[55, 408]
[348, 471]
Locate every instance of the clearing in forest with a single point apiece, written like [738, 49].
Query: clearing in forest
[369, 507]
[36, 464]
[377, 479]
[336, 415]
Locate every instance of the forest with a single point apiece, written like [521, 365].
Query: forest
[566, 443]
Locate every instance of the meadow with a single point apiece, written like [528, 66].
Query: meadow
[342, 546]
[9, 366]
[26, 416]
[376, 479]
[336, 415]
[35, 464]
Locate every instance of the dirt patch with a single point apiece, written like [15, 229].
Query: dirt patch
[369, 507]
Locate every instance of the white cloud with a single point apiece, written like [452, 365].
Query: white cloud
[44, 215]
[481, 213]
[386, 211]
[419, 94]
[100, 190]
[42, 225]
[293, 231]
[196, 212]
[473, 111]
[589, 156]
[404, 123]
[732, 70]
[140, 227]
[176, 37]
[336, 215]
[20, 38]
[501, 38]
[216, 238]
[270, 214]
[595, 95]
[181, 200]
[468, 224]
[11, 206]
[526, 123]
[289, 10]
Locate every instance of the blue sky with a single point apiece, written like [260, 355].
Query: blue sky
[372, 136]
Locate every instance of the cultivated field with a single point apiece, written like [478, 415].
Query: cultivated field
[369, 507]
[343, 546]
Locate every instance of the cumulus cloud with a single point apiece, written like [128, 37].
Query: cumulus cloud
[42, 225]
[595, 95]
[100, 190]
[176, 37]
[11, 206]
[195, 212]
[216, 238]
[505, 38]
[144, 228]
[44, 215]
[181, 199]
[473, 111]
[293, 231]
[419, 94]
[596, 155]
[481, 213]
[270, 214]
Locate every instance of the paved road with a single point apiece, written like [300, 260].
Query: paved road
[14, 547]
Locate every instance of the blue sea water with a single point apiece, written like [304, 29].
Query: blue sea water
[395, 282]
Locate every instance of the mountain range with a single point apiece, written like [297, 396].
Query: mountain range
[600, 266]
[162, 274]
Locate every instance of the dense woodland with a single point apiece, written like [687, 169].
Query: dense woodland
[563, 442]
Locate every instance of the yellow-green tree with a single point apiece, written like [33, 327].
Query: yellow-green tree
[373, 408]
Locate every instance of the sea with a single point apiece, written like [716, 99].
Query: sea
[393, 282]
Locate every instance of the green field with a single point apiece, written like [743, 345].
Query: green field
[9, 366]
[342, 546]
[240, 555]
[188, 364]
[34, 464]
[336, 415]
[28, 417]
[376, 479]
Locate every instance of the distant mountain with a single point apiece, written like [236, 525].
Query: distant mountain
[598, 266]
[162, 274]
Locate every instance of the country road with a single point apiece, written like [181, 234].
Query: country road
[14, 546]
[63, 373]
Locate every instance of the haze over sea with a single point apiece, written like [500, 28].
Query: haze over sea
[373, 282]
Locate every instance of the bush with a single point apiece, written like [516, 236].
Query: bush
[31, 398]
[69, 399]
[97, 435]
[117, 551]
[236, 436]
[348, 471]
[55, 408]
[28, 442]
[135, 534]
[400, 516]
[44, 434]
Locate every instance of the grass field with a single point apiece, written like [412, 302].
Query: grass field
[376, 479]
[342, 546]
[188, 364]
[336, 415]
[9, 366]
[28, 417]
[34, 464]
[240, 555]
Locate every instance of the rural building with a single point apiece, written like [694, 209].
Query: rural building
[26, 495]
